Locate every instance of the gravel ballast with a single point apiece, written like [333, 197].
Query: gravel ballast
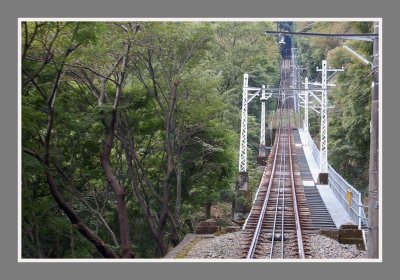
[232, 245]
[322, 247]
[227, 246]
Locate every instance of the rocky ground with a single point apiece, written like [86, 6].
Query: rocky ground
[227, 246]
[323, 247]
[231, 245]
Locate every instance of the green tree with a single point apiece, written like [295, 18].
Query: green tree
[129, 128]
[47, 50]
[348, 138]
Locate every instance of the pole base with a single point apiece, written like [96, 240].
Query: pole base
[239, 218]
[243, 180]
[261, 151]
[262, 160]
[241, 206]
[263, 155]
[323, 179]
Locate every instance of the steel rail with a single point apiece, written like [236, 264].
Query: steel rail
[281, 175]
[295, 206]
[283, 213]
[283, 201]
[257, 231]
[280, 146]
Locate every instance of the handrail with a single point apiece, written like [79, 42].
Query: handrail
[340, 187]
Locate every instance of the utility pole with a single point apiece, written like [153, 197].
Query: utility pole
[262, 128]
[373, 206]
[306, 109]
[240, 208]
[323, 163]
[294, 78]
[324, 127]
[243, 177]
[262, 153]
[246, 99]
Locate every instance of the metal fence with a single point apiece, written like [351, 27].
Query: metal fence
[314, 149]
[348, 196]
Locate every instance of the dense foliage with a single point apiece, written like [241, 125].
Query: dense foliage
[349, 117]
[130, 130]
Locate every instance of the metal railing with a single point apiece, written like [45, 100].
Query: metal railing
[349, 197]
[314, 149]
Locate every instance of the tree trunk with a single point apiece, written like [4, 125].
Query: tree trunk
[68, 211]
[132, 157]
[207, 208]
[75, 220]
[122, 211]
[146, 210]
[178, 203]
[102, 92]
[72, 243]
[165, 197]
[73, 217]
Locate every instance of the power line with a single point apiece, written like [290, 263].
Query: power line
[360, 37]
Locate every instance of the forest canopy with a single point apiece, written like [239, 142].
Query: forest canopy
[130, 130]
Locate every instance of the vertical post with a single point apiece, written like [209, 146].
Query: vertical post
[359, 210]
[373, 206]
[243, 129]
[262, 154]
[306, 109]
[294, 79]
[240, 208]
[262, 128]
[243, 176]
[323, 176]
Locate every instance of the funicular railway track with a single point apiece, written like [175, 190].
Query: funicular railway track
[280, 214]
[279, 220]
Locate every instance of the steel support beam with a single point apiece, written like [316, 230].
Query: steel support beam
[262, 128]
[373, 188]
[294, 79]
[243, 127]
[262, 153]
[323, 167]
[306, 108]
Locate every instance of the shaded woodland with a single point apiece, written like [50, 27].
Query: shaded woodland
[130, 130]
